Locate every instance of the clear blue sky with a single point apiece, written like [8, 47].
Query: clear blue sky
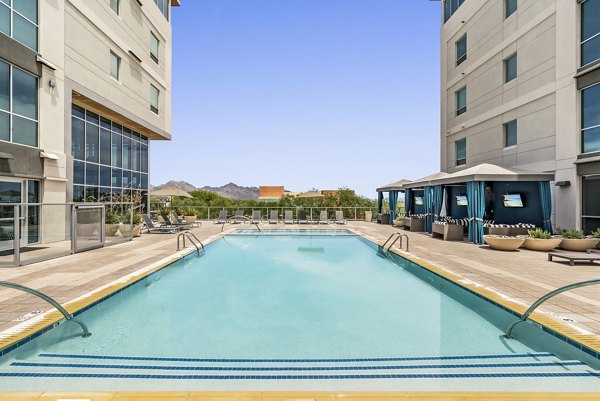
[303, 93]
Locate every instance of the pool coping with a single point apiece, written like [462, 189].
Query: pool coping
[24, 332]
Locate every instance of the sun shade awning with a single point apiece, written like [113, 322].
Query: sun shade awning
[394, 186]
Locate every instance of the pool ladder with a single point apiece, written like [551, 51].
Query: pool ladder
[193, 239]
[395, 237]
[67, 315]
[546, 297]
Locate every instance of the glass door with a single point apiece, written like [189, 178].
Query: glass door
[11, 191]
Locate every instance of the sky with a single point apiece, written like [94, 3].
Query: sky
[303, 93]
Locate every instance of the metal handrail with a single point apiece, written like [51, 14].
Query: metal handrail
[398, 236]
[546, 297]
[67, 315]
[191, 237]
[233, 218]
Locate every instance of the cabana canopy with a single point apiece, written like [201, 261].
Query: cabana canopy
[426, 181]
[394, 186]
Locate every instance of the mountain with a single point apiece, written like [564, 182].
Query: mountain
[231, 190]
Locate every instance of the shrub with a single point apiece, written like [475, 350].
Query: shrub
[111, 216]
[573, 234]
[596, 234]
[538, 233]
[188, 212]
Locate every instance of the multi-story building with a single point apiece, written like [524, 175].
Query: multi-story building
[85, 85]
[520, 87]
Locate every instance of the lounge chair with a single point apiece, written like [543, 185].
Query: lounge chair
[256, 216]
[339, 217]
[323, 217]
[302, 219]
[238, 217]
[274, 217]
[222, 217]
[172, 222]
[179, 220]
[153, 229]
[289, 217]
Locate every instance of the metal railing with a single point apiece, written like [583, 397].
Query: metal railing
[396, 237]
[193, 239]
[67, 315]
[546, 297]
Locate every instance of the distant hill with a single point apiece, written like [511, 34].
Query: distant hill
[231, 190]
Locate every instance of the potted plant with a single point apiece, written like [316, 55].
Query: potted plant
[189, 215]
[576, 241]
[127, 229]
[111, 222]
[504, 242]
[596, 234]
[541, 240]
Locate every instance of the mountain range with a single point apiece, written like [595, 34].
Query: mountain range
[231, 190]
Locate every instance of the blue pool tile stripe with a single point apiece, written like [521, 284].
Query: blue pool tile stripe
[298, 368]
[304, 377]
[392, 359]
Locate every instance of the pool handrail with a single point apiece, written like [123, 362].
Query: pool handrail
[68, 316]
[398, 235]
[190, 235]
[546, 297]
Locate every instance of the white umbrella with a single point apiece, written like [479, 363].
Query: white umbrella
[443, 211]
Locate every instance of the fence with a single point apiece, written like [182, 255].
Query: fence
[33, 232]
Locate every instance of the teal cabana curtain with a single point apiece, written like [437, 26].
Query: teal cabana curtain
[438, 194]
[408, 202]
[428, 195]
[546, 198]
[393, 204]
[476, 209]
[379, 201]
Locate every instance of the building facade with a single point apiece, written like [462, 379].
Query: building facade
[520, 87]
[85, 87]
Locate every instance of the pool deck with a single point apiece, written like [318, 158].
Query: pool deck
[517, 277]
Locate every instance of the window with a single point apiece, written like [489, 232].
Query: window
[19, 20]
[461, 50]
[115, 66]
[510, 133]
[590, 210]
[461, 152]
[109, 159]
[154, 93]
[115, 5]
[18, 106]
[163, 6]
[510, 6]
[450, 7]
[590, 31]
[154, 47]
[461, 101]
[510, 68]
[590, 119]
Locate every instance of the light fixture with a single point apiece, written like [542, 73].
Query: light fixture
[562, 184]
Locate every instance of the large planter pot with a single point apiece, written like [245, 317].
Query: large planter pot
[503, 243]
[189, 219]
[111, 229]
[369, 216]
[398, 222]
[542, 245]
[126, 230]
[579, 245]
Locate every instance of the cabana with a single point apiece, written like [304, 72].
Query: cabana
[486, 191]
[393, 189]
[419, 198]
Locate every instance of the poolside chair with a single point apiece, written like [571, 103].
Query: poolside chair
[339, 217]
[238, 217]
[323, 217]
[274, 217]
[222, 217]
[172, 222]
[179, 220]
[289, 217]
[152, 229]
[256, 216]
[302, 219]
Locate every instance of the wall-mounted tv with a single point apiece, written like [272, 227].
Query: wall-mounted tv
[461, 200]
[419, 200]
[513, 200]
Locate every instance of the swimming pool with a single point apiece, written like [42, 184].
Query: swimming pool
[312, 312]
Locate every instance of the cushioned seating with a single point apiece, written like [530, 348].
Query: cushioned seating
[414, 223]
[507, 229]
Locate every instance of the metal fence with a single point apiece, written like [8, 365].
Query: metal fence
[33, 232]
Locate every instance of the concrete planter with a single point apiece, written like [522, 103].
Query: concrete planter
[542, 245]
[126, 230]
[579, 245]
[369, 216]
[111, 229]
[398, 222]
[189, 219]
[503, 243]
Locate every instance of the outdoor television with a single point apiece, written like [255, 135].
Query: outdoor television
[461, 200]
[419, 200]
[513, 200]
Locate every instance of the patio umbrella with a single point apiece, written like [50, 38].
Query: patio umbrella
[443, 211]
[170, 192]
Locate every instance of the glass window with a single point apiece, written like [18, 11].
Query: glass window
[77, 138]
[461, 101]
[126, 178]
[163, 6]
[114, 5]
[105, 176]
[91, 174]
[92, 117]
[510, 68]
[590, 210]
[18, 97]
[4, 126]
[450, 7]
[144, 181]
[115, 66]
[154, 94]
[78, 111]
[116, 150]
[144, 159]
[590, 31]
[78, 193]
[135, 156]
[27, 8]
[461, 152]
[510, 133]
[24, 94]
[18, 19]
[91, 194]
[126, 153]
[4, 19]
[154, 47]
[24, 31]
[4, 86]
[590, 119]
[91, 143]
[117, 177]
[105, 149]
[510, 6]
[24, 131]
[78, 172]
[461, 50]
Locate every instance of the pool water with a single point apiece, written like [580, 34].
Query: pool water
[290, 313]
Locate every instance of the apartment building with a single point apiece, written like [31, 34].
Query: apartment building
[520, 87]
